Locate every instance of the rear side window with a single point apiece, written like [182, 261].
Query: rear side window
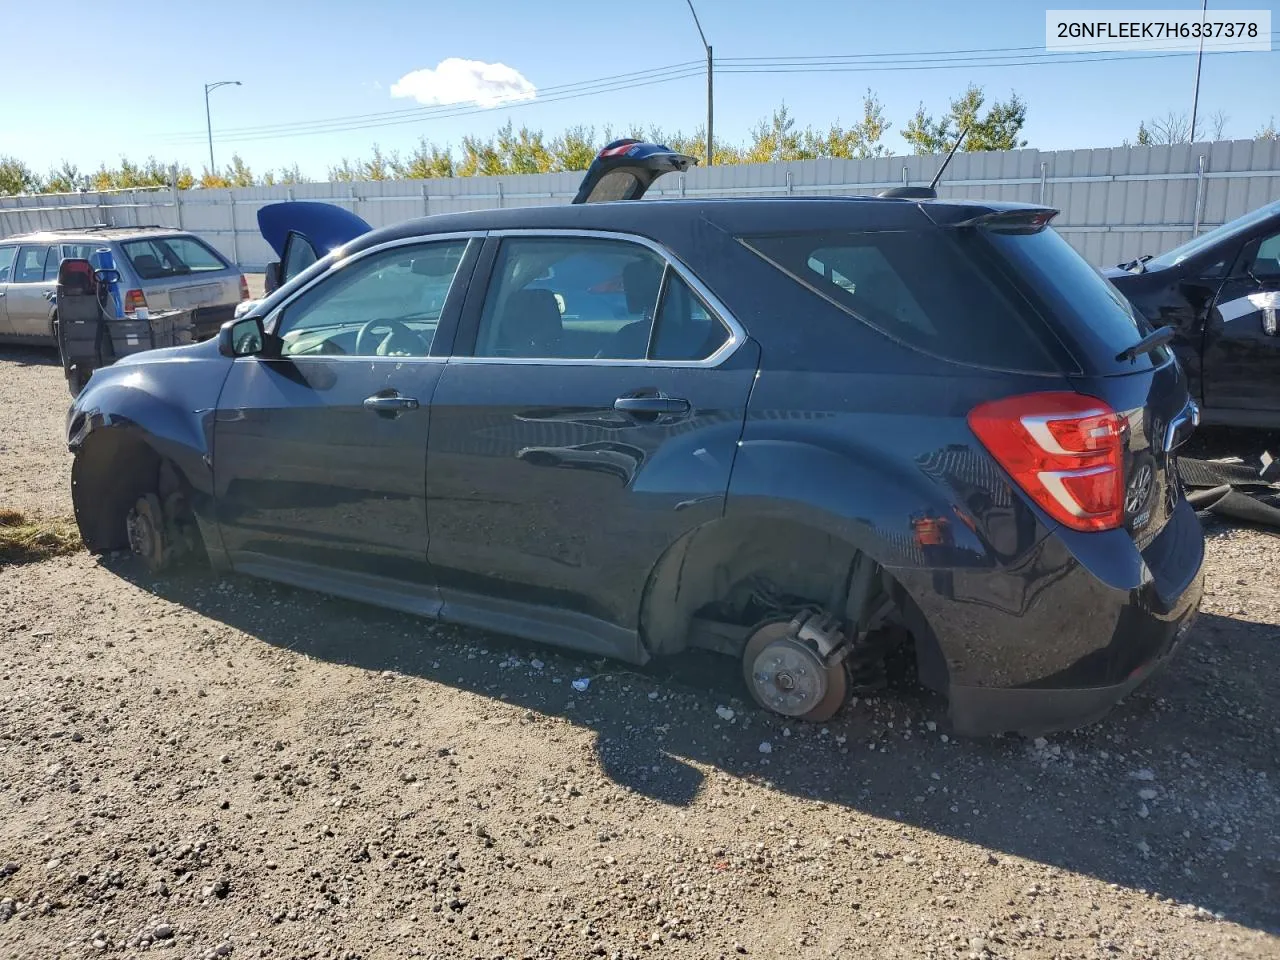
[159, 258]
[920, 288]
[7, 255]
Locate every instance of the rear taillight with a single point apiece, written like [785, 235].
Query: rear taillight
[1064, 449]
[133, 300]
[244, 288]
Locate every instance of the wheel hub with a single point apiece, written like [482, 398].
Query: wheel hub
[789, 678]
[145, 530]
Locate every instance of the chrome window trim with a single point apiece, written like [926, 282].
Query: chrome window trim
[715, 307]
[273, 320]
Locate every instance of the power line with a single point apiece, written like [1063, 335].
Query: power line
[427, 112]
[459, 112]
[841, 63]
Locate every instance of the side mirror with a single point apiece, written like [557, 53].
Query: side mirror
[273, 275]
[242, 338]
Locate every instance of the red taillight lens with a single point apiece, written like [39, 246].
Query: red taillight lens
[133, 300]
[244, 288]
[1064, 449]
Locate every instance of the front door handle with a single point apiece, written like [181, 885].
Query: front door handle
[651, 405]
[389, 403]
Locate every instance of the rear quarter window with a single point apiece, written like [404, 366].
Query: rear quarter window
[920, 288]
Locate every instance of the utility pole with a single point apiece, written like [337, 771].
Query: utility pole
[208, 122]
[1195, 98]
[710, 99]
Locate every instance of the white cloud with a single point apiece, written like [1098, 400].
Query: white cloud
[465, 81]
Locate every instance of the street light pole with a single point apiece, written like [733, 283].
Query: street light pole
[1195, 98]
[208, 122]
[710, 100]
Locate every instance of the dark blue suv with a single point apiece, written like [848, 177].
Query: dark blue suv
[799, 432]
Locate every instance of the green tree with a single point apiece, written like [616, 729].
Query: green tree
[66, 178]
[523, 150]
[774, 139]
[574, 149]
[996, 129]
[16, 177]
[345, 172]
[1144, 135]
[379, 166]
[480, 158]
[1268, 132]
[427, 162]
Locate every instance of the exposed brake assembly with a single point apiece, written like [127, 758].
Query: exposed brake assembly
[161, 532]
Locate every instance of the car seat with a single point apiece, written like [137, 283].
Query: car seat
[530, 325]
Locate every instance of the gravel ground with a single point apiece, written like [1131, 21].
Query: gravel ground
[230, 768]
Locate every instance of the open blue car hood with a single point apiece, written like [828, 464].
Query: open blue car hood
[325, 225]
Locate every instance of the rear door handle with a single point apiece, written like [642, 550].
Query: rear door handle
[389, 403]
[655, 406]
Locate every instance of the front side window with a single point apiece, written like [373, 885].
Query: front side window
[387, 304]
[159, 258]
[29, 267]
[583, 299]
[1266, 262]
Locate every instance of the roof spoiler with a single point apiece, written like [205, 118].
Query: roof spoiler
[930, 192]
[1017, 220]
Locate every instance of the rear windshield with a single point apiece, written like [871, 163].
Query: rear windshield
[158, 258]
[1068, 289]
[920, 287]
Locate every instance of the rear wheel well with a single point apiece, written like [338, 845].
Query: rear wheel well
[112, 469]
[725, 576]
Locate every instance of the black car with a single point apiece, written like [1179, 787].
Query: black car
[1220, 293]
[798, 432]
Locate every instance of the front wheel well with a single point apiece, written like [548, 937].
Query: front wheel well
[112, 469]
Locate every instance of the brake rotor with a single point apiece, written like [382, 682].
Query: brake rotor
[788, 677]
[145, 527]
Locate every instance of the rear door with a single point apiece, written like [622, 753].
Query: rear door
[320, 465]
[28, 295]
[588, 418]
[1242, 342]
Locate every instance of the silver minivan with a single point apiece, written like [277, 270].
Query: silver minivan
[159, 269]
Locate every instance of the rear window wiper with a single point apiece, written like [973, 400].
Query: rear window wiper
[1157, 338]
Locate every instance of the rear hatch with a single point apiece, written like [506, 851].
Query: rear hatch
[1146, 390]
[625, 169]
[180, 272]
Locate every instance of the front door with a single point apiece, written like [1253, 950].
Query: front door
[588, 419]
[320, 452]
[1242, 338]
[7, 257]
[28, 294]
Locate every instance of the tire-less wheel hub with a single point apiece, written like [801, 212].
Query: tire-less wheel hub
[788, 677]
[145, 528]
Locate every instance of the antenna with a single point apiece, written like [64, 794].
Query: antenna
[930, 192]
[956, 146]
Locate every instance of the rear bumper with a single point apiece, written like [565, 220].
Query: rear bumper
[984, 711]
[1056, 639]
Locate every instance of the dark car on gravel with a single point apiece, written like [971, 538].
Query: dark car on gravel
[1220, 293]
[803, 433]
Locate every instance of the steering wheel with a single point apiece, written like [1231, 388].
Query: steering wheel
[364, 347]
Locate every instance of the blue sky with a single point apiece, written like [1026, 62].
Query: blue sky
[325, 59]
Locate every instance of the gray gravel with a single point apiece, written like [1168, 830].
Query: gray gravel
[214, 768]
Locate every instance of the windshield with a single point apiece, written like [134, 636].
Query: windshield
[1171, 258]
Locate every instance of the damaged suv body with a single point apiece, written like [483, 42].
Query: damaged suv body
[799, 432]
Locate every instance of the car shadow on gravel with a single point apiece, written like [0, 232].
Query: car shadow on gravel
[1174, 793]
[29, 356]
